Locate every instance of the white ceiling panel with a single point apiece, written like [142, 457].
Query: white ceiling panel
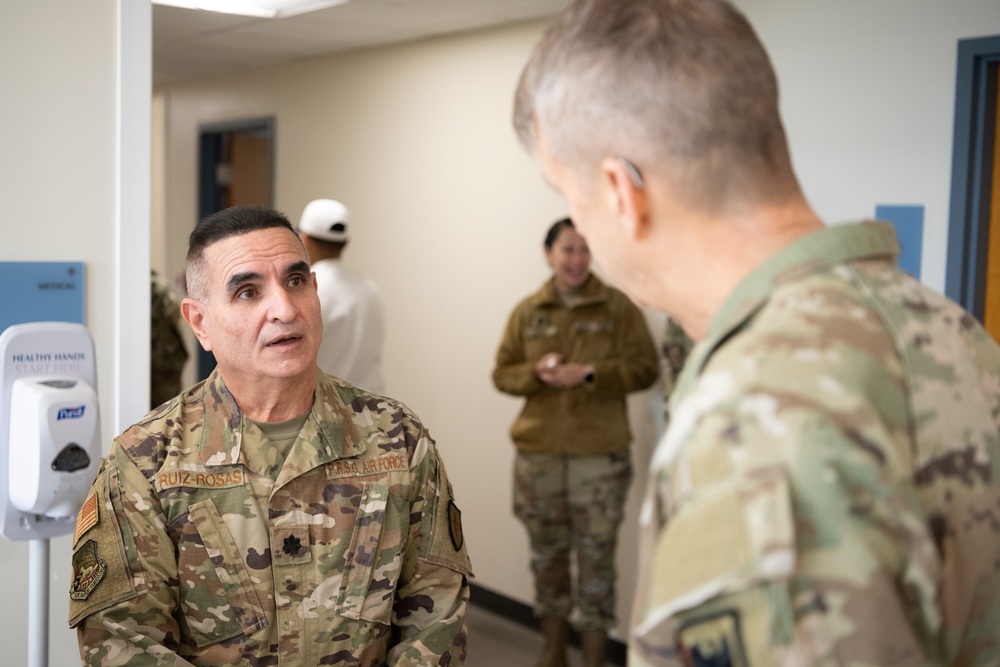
[190, 44]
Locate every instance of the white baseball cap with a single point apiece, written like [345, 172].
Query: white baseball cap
[325, 219]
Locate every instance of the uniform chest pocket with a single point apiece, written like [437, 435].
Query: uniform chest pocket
[374, 558]
[217, 599]
[541, 340]
[594, 339]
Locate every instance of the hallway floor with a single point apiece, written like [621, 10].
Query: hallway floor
[495, 641]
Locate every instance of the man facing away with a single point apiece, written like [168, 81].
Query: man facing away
[272, 514]
[353, 330]
[828, 492]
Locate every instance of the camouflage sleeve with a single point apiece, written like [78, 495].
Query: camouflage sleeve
[513, 373]
[120, 601]
[676, 346]
[433, 592]
[817, 552]
[636, 365]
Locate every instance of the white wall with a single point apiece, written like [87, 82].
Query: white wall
[158, 241]
[416, 140]
[868, 96]
[62, 187]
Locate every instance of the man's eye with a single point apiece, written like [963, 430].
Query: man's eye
[297, 281]
[247, 293]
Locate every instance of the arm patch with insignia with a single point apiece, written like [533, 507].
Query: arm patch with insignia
[455, 525]
[712, 641]
[441, 526]
[101, 575]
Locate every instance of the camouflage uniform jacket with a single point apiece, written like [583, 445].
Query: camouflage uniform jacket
[198, 547]
[603, 329]
[828, 492]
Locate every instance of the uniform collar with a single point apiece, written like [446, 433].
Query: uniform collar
[592, 291]
[808, 255]
[327, 435]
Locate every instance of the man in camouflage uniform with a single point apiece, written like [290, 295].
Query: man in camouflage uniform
[828, 490]
[271, 515]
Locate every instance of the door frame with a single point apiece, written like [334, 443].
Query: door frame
[211, 138]
[971, 173]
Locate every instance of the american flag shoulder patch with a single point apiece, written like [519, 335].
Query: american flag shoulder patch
[87, 518]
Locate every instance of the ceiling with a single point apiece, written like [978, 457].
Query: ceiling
[190, 44]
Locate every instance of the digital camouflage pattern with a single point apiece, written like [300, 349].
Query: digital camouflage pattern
[573, 503]
[828, 492]
[214, 553]
[168, 353]
[675, 349]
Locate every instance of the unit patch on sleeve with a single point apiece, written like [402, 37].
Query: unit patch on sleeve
[88, 571]
[455, 526]
[712, 641]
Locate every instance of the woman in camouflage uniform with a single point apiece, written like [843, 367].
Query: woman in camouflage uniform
[573, 349]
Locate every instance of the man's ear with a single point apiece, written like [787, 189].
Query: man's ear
[628, 198]
[194, 313]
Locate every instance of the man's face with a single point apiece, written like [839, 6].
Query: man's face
[260, 315]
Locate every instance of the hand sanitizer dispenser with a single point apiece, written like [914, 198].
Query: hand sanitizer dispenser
[49, 427]
[53, 443]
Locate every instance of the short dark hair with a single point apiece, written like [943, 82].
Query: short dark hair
[233, 221]
[555, 230]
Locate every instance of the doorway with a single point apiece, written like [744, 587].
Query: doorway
[235, 168]
[973, 269]
[991, 297]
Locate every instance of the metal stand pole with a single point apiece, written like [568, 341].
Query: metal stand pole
[38, 603]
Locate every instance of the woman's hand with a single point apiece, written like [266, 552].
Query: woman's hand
[545, 368]
[551, 370]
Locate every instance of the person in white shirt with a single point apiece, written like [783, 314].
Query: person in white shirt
[353, 328]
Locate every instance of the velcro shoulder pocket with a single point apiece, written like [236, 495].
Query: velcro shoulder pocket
[102, 576]
[442, 536]
[729, 538]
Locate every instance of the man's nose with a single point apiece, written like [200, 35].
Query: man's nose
[280, 306]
